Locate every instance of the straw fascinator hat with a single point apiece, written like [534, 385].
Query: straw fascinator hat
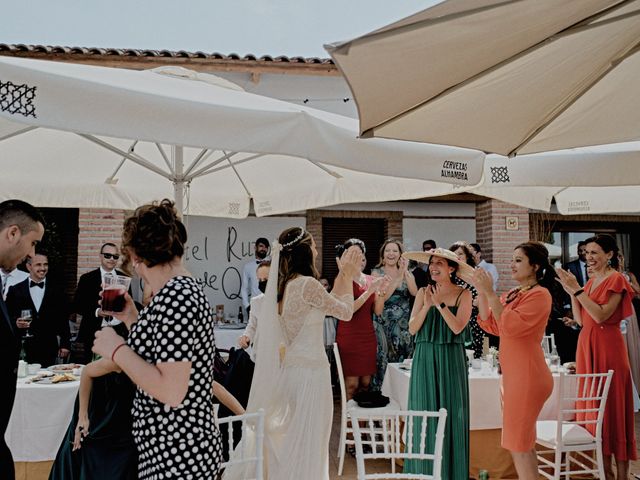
[465, 271]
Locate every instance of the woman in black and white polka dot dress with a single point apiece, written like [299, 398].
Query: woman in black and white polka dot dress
[168, 355]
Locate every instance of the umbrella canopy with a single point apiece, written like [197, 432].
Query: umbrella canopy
[184, 126]
[62, 169]
[507, 77]
[600, 179]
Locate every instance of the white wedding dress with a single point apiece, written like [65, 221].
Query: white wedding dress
[296, 393]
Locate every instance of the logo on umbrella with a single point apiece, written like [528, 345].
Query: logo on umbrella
[17, 99]
[500, 175]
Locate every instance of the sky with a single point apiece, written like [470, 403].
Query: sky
[259, 27]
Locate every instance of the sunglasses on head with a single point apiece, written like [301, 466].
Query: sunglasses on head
[109, 256]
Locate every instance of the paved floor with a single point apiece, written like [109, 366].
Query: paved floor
[350, 463]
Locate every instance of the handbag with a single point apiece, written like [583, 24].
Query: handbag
[371, 399]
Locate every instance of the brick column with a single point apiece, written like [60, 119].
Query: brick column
[95, 227]
[496, 241]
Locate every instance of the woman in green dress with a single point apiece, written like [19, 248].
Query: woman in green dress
[439, 373]
[102, 422]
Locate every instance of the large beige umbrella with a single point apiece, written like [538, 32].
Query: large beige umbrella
[507, 77]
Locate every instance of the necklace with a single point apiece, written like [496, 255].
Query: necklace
[514, 292]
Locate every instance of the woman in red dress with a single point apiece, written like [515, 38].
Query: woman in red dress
[357, 339]
[599, 307]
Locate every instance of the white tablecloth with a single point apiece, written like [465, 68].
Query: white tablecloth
[485, 408]
[228, 337]
[40, 417]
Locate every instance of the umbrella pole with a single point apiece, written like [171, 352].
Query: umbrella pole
[178, 183]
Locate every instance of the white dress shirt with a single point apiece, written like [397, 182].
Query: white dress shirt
[249, 287]
[14, 277]
[492, 270]
[252, 327]
[37, 293]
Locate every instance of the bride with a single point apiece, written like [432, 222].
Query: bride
[291, 382]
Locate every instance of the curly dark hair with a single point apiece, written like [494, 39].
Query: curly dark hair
[154, 233]
[608, 244]
[467, 253]
[296, 258]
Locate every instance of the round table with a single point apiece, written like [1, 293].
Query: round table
[227, 336]
[40, 418]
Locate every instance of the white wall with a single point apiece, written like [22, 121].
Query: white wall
[443, 231]
[444, 222]
[219, 247]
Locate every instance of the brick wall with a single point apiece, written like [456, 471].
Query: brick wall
[496, 241]
[95, 227]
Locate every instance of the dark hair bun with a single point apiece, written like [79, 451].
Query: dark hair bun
[155, 233]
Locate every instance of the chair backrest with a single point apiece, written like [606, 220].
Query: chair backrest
[384, 436]
[582, 400]
[247, 452]
[343, 388]
[548, 344]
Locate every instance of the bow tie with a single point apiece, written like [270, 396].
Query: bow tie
[35, 284]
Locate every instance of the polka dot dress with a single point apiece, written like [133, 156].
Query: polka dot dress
[476, 332]
[177, 443]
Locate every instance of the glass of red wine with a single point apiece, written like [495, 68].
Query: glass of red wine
[114, 289]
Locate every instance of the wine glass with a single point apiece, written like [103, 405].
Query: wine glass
[25, 316]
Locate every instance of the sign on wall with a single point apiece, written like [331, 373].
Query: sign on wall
[219, 247]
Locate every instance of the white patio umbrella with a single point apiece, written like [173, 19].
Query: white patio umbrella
[62, 169]
[501, 76]
[189, 131]
[599, 179]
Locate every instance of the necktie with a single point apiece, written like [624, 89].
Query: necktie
[35, 284]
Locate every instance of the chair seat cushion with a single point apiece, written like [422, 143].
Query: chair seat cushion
[572, 434]
[353, 408]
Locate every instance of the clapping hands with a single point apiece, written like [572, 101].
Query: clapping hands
[568, 281]
[350, 261]
[433, 295]
[482, 281]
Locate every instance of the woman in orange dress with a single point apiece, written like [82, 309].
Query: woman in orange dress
[519, 318]
[599, 307]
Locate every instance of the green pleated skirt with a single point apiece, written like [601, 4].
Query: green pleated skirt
[440, 379]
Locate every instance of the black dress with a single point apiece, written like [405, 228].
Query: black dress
[108, 452]
[177, 443]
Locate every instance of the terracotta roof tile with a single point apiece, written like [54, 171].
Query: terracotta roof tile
[130, 52]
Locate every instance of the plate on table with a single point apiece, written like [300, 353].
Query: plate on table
[231, 326]
[48, 378]
[64, 367]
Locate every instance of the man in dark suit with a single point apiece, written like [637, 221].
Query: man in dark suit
[579, 266]
[21, 228]
[421, 272]
[87, 296]
[49, 313]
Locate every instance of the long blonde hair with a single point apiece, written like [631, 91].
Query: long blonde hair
[384, 245]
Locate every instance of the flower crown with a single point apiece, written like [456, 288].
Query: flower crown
[295, 240]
